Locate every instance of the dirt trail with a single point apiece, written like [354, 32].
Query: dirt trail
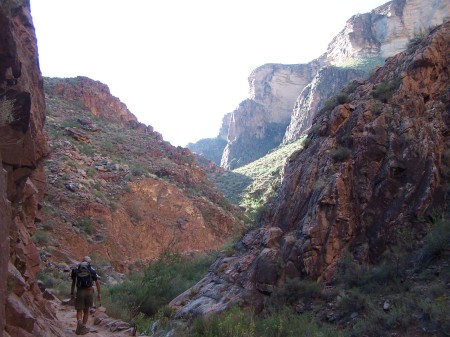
[99, 322]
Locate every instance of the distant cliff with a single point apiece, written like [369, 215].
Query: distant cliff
[373, 167]
[291, 95]
[366, 40]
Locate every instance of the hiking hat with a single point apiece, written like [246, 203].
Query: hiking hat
[87, 259]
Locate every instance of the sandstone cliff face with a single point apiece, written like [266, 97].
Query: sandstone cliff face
[372, 36]
[288, 92]
[22, 146]
[372, 167]
[386, 30]
[258, 124]
[328, 82]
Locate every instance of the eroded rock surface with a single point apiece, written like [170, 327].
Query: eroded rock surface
[373, 167]
[23, 145]
[291, 95]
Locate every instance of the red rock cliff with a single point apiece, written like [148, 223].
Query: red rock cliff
[22, 148]
[372, 167]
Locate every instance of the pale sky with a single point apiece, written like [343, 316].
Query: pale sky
[181, 65]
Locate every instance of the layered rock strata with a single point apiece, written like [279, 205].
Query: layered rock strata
[372, 168]
[292, 94]
[366, 38]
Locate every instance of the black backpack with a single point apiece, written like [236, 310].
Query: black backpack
[84, 276]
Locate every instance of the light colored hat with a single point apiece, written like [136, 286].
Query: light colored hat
[87, 259]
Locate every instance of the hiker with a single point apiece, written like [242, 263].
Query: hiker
[84, 276]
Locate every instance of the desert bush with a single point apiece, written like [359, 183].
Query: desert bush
[295, 290]
[85, 148]
[238, 322]
[86, 225]
[340, 153]
[330, 104]
[137, 170]
[40, 237]
[436, 241]
[385, 90]
[418, 37]
[161, 281]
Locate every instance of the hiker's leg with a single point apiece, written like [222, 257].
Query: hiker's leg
[85, 315]
[79, 315]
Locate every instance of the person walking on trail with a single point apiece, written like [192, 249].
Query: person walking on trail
[83, 277]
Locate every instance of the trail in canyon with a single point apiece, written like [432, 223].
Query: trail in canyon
[100, 324]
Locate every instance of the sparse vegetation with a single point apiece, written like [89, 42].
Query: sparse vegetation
[149, 292]
[384, 90]
[340, 153]
[254, 184]
[418, 37]
[86, 225]
[40, 237]
[365, 64]
[244, 323]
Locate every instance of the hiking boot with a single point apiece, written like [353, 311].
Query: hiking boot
[79, 326]
[82, 330]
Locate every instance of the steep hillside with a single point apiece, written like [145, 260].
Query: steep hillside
[252, 186]
[116, 182]
[372, 177]
[291, 95]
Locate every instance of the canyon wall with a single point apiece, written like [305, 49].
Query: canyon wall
[23, 146]
[373, 167]
[292, 94]
[366, 40]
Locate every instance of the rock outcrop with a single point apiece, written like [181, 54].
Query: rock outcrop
[328, 82]
[93, 95]
[23, 146]
[258, 123]
[292, 94]
[366, 40]
[372, 168]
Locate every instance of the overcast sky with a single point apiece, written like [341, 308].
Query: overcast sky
[181, 65]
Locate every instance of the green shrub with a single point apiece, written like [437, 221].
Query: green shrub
[40, 237]
[330, 104]
[134, 211]
[340, 153]
[385, 90]
[163, 280]
[334, 101]
[137, 170]
[86, 225]
[342, 98]
[85, 148]
[351, 87]
[295, 290]
[352, 301]
[238, 322]
[436, 241]
[418, 37]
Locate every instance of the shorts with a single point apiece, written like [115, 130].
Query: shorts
[84, 299]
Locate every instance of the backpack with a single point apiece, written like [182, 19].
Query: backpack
[84, 276]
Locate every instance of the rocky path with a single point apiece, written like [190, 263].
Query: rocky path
[100, 324]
